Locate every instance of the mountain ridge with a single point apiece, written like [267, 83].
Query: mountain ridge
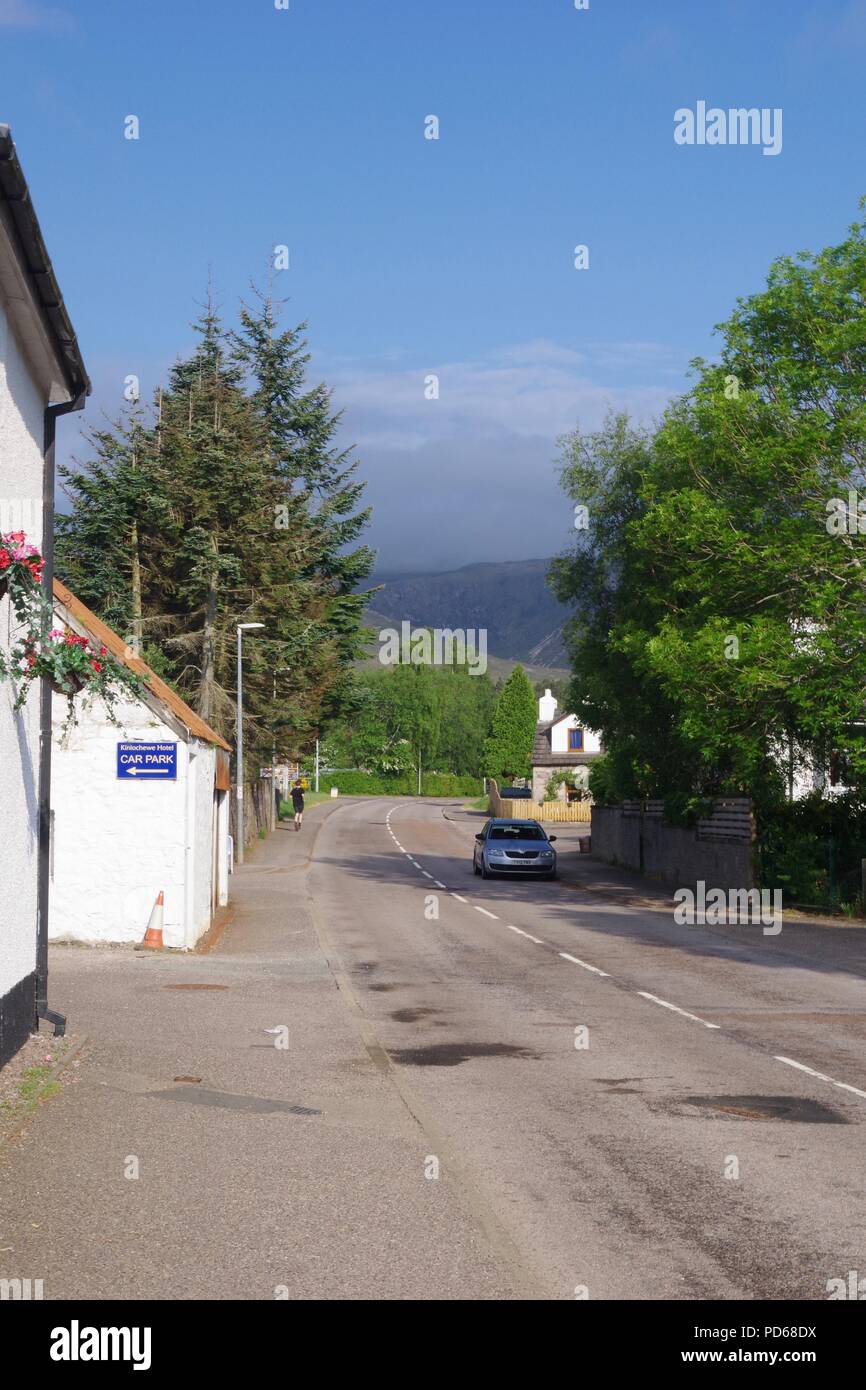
[509, 598]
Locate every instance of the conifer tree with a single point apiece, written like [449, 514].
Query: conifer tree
[509, 748]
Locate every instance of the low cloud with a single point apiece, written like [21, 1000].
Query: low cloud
[472, 475]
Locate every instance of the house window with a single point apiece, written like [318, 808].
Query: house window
[575, 740]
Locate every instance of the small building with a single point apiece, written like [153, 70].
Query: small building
[561, 745]
[137, 809]
[42, 376]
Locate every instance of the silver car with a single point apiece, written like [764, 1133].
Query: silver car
[514, 847]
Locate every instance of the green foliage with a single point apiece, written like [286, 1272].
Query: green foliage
[356, 783]
[812, 850]
[561, 779]
[717, 622]
[508, 750]
[438, 713]
[232, 504]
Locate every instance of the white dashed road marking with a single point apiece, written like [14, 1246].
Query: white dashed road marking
[843, 1085]
[654, 998]
[594, 968]
[674, 1008]
[521, 932]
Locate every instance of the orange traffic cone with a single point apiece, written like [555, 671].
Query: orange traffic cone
[153, 935]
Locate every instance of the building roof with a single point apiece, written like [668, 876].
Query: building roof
[36, 268]
[542, 755]
[119, 649]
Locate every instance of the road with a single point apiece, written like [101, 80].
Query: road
[491, 1090]
[609, 1166]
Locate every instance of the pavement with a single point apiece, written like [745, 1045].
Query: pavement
[391, 1080]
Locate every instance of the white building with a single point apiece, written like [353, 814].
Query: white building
[131, 820]
[562, 744]
[41, 376]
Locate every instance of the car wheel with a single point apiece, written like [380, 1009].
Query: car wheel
[485, 872]
[475, 868]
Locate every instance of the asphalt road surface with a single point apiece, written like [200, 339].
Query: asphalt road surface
[631, 1102]
[488, 1090]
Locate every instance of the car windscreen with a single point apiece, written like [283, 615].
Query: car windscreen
[517, 832]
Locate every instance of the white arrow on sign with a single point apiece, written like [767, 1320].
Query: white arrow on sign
[147, 771]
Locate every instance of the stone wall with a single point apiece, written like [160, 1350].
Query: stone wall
[672, 854]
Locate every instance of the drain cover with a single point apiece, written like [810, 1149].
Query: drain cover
[191, 986]
[796, 1109]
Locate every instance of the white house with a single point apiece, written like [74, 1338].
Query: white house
[42, 376]
[562, 744]
[137, 810]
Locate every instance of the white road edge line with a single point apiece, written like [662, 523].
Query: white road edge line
[594, 968]
[426, 875]
[458, 897]
[675, 1009]
[486, 913]
[438, 884]
[843, 1085]
[520, 932]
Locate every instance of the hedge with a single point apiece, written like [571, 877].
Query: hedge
[373, 784]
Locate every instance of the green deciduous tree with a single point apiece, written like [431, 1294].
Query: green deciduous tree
[719, 623]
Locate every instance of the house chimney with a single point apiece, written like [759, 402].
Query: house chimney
[546, 708]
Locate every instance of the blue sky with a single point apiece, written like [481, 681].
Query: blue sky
[412, 256]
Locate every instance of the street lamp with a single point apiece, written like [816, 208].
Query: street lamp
[239, 848]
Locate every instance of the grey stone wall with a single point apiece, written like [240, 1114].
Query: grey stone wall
[670, 853]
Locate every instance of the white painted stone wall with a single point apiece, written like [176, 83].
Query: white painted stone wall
[118, 842]
[21, 424]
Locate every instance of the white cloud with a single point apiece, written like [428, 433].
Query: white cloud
[473, 475]
[536, 389]
[25, 14]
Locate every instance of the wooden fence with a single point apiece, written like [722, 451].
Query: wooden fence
[557, 812]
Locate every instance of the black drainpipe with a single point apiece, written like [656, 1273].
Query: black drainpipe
[44, 880]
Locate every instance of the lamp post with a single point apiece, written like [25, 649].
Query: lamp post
[239, 848]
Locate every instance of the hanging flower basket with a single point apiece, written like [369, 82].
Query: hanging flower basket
[71, 685]
[72, 664]
[20, 572]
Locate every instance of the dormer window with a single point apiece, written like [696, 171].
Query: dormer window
[575, 740]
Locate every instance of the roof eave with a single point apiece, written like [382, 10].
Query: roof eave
[35, 263]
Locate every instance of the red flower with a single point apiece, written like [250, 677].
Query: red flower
[103, 651]
[97, 666]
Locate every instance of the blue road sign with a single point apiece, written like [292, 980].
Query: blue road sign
[147, 762]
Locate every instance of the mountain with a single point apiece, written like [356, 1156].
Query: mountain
[509, 598]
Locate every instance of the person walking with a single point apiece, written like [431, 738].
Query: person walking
[298, 803]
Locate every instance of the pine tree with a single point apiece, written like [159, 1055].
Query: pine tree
[508, 750]
[116, 498]
[231, 506]
[301, 430]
